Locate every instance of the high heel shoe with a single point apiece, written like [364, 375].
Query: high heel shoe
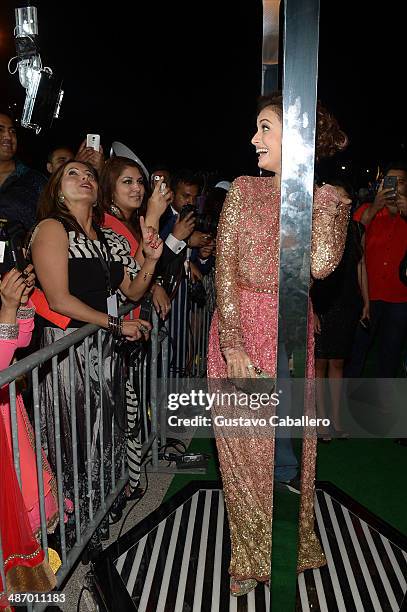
[241, 587]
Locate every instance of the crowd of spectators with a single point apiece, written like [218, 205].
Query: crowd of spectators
[102, 231]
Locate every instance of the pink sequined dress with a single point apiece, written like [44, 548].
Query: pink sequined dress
[247, 271]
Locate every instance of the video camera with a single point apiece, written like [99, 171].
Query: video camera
[12, 235]
[43, 89]
[204, 223]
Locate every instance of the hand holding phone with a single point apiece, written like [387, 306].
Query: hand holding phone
[390, 182]
[93, 141]
[163, 185]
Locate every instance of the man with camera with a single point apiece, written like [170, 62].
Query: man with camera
[20, 186]
[385, 220]
[177, 228]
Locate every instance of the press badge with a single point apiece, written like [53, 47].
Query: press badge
[112, 309]
[2, 249]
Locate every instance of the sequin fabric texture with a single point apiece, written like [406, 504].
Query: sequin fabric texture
[247, 270]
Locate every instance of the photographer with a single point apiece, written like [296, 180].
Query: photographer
[177, 229]
[386, 243]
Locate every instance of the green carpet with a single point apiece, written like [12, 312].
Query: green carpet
[373, 472]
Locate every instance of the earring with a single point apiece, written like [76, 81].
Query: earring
[61, 198]
[94, 204]
[115, 210]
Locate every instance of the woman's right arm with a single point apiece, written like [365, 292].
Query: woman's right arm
[227, 262]
[226, 280]
[50, 258]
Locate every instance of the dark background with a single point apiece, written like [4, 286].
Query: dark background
[178, 82]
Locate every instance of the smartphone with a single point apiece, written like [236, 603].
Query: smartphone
[17, 254]
[163, 185]
[390, 182]
[11, 247]
[93, 141]
[365, 323]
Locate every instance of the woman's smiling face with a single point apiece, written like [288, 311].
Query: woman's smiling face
[129, 190]
[268, 139]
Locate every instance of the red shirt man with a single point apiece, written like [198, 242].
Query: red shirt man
[386, 244]
[385, 247]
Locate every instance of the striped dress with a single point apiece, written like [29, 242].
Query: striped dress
[107, 414]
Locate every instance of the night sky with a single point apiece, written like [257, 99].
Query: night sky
[178, 82]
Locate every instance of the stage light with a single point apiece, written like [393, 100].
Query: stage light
[43, 90]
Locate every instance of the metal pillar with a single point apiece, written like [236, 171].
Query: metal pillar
[271, 29]
[301, 24]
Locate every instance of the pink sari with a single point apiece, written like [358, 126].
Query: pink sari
[26, 442]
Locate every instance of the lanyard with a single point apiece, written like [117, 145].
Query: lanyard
[105, 264]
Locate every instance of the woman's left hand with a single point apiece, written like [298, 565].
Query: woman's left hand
[335, 202]
[161, 301]
[152, 243]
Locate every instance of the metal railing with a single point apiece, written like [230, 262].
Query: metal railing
[177, 349]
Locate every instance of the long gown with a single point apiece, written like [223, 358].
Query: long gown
[26, 568]
[247, 270]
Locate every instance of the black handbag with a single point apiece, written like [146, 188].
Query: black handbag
[132, 351]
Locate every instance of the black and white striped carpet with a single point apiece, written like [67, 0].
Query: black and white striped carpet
[180, 565]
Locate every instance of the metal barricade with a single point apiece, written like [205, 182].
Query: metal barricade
[177, 349]
[50, 358]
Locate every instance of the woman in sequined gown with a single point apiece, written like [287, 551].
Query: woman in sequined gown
[244, 334]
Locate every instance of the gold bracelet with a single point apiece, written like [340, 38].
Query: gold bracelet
[147, 274]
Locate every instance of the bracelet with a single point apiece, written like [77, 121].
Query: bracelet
[115, 326]
[25, 312]
[8, 331]
[147, 274]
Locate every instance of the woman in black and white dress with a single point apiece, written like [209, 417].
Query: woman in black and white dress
[80, 266]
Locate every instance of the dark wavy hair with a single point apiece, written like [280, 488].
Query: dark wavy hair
[49, 206]
[187, 176]
[112, 169]
[330, 139]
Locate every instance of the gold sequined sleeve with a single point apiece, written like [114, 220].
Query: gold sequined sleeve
[227, 264]
[329, 227]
